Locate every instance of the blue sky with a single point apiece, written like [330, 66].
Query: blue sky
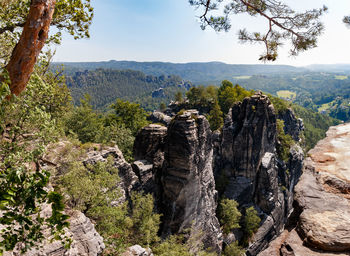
[168, 30]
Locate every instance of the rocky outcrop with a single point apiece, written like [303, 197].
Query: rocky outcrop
[254, 174]
[159, 117]
[129, 180]
[292, 125]
[159, 93]
[149, 142]
[137, 250]
[243, 158]
[85, 239]
[181, 158]
[322, 199]
[189, 195]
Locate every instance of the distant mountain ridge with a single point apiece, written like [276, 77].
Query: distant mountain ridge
[196, 72]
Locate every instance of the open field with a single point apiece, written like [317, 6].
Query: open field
[242, 77]
[341, 77]
[286, 94]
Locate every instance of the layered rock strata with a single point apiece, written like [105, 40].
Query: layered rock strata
[243, 157]
[184, 183]
[85, 239]
[254, 174]
[189, 195]
[322, 198]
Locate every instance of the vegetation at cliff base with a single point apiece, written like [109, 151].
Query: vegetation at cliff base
[284, 142]
[229, 215]
[251, 221]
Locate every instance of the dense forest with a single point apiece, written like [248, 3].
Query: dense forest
[322, 91]
[327, 93]
[196, 72]
[106, 85]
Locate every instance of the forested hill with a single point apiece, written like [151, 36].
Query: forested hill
[106, 85]
[199, 73]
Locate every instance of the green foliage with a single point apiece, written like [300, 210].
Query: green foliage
[105, 85]
[89, 126]
[291, 26]
[145, 222]
[162, 106]
[117, 133]
[73, 16]
[176, 246]
[172, 246]
[234, 249]
[229, 94]
[251, 221]
[130, 114]
[284, 142]
[202, 97]
[179, 97]
[315, 125]
[84, 121]
[215, 117]
[280, 105]
[28, 123]
[229, 215]
[93, 190]
[90, 187]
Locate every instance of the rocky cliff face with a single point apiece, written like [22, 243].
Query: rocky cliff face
[254, 174]
[182, 166]
[85, 239]
[189, 195]
[322, 201]
[245, 163]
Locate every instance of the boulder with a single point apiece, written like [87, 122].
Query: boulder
[159, 117]
[137, 250]
[85, 239]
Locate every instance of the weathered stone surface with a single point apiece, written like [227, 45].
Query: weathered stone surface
[129, 180]
[248, 133]
[322, 199]
[159, 117]
[144, 170]
[137, 250]
[189, 195]
[292, 125]
[149, 141]
[255, 175]
[289, 243]
[323, 192]
[85, 239]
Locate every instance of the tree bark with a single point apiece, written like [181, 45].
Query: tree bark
[32, 40]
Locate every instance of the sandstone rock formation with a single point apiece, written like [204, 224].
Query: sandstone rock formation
[322, 200]
[129, 180]
[159, 117]
[243, 157]
[184, 183]
[137, 250]
[189, 195]
[85, 239]
[292, 125]
[254, 174]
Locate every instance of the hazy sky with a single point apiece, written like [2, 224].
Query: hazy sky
[168, 30]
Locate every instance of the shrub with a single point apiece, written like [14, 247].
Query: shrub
[285, 142]
[229, 215]
[234, 249]
[251, 221]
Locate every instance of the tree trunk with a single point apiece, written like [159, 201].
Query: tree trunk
[34, 35]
